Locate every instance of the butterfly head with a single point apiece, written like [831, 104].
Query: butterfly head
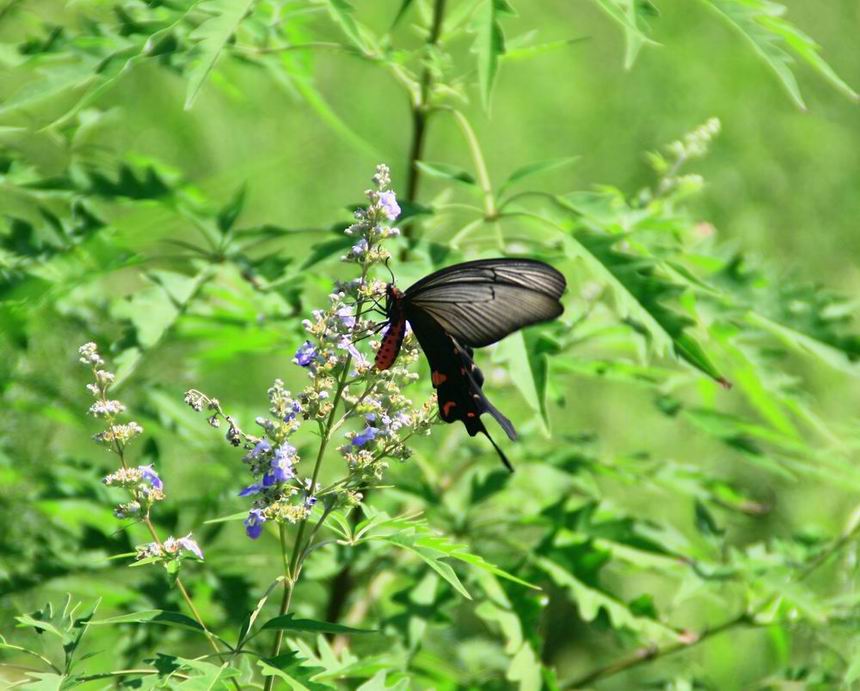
[393, 296]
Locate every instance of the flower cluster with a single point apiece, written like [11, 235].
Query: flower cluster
[142, 482]
[170, 550]
[372, 225]
[343, 388]
[278, 493]
[692, 145]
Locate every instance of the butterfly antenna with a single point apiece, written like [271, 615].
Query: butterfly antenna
[498, 451]
[389, 270]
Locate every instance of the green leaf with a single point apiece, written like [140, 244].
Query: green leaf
[287, 622]
[241, 516]
[776, 41]
[325, 250]
[639, 296]
[490, 45]
[211, 37]
[230, 211]
[528, 52]
[590, 602]
[43, 681]
[445, 171]
[629, 14]
[528, 371]
[535, 168]
[341, 11]
[152, 616]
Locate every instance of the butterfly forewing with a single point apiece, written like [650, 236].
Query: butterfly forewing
[481, 302]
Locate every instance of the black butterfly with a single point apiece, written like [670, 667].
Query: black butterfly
[462, 307]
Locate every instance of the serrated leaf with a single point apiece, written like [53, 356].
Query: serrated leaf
[287, 622]
[639, 296]
[490, 45]
[210, 38]
[776, 41]
[445, 171]
[152, 616]
[342, 11]
[590, 602]
[628, 14]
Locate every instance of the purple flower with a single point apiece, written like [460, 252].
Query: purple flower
[345, 343]
[360, 247]
[293, 413]
[306, 354]
[310, 501]
[369, 434]
[281, 469]
[256, 488]
[188, 543]
[260, 448]
[148, 474]
[254, 523]
[347, 318]
[370, 417]
[388, 202]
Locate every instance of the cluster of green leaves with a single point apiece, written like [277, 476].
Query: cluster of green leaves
[615, 545]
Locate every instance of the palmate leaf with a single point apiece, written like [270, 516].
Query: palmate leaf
[640, 296]
[590, 602]
[416, 536]
[211, 37]
[777, 42]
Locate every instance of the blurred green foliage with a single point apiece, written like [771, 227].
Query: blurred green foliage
[174, 180]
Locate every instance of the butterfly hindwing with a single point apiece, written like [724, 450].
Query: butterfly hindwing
[456, 379]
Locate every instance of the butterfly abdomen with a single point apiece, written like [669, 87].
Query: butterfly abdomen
[390, 346]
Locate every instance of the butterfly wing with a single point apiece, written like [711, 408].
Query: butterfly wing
[456, 379]
[481, 302]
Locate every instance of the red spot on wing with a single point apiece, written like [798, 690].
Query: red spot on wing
[446, 408]
[390, 347]
[438, 378]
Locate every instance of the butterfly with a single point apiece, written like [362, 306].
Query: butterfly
[467, 306]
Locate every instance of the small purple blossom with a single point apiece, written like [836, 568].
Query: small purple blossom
[369, 434]
[250, 490]
[261, 448]
[388, 202]
[148, 473]
[190, 544]
[293, 412]
[254, 523]
[345, 343]
[346, 316]
[306, 354]
[310, 501]
[281, 469]
[360, 247]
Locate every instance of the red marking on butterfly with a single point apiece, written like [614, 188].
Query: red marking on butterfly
[446, 408]
[438, 378]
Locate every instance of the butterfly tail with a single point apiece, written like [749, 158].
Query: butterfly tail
[498, 449]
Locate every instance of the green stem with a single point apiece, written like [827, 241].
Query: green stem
[296, 559]
[420, 112]
[649, 654]
[490, 211]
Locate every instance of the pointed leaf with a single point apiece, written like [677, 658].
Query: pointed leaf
[211, 37]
